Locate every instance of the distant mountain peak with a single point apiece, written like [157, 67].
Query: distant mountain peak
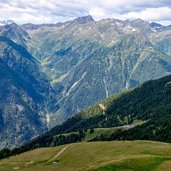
[84, 19]
[153, 24]
[139, 22]
[157, 26]
[6, 22]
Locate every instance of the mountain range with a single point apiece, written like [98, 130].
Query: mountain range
[49, 72]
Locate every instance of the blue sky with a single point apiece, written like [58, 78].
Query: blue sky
[53, 11]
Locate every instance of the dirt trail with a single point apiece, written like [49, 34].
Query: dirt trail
[60, 152]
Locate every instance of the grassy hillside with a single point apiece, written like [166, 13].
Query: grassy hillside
[97, 156]
[150, 103]
[88, 135]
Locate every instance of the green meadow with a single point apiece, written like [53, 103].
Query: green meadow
[95, 156]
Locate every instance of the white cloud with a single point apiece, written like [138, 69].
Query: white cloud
[44, 11]
[155, 14]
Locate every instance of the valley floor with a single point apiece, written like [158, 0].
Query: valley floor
[97, 156]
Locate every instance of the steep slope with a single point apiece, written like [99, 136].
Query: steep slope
[162, 41]
[24, 97]
[87, 61]
[117, 68]
[150, 102]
